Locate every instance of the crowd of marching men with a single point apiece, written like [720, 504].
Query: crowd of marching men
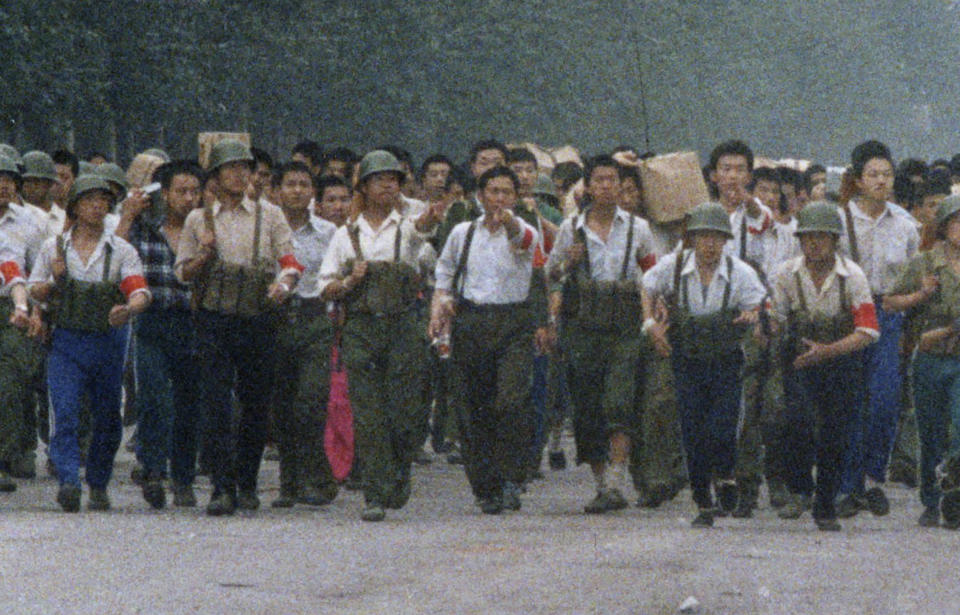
[797, 330]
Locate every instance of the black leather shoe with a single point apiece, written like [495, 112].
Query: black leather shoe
[248, 500]
[68, 497]
[490, 506]
[828, 525]
[153, 491]
[704, 518]
[876, 501]
[99, 500]
[221, 504]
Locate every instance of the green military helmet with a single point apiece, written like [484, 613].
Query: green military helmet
[380, 161]
[86, 168]
[227, 151]
[9, 166]
[113, 173]
[39, 165]
[11, 152]
[545, 186]
[159, 153]
[946, 209]
[819, 217]
[84, 184]
[709, 216]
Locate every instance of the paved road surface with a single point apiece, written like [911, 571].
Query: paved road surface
[439, 555]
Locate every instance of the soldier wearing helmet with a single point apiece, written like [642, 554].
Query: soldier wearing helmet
[825, 318]
[237, 255]
[371, 266]
[698, 305]
[93, 280]
[39, 180]
[930, 287]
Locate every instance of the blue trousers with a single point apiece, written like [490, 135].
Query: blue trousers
[708, 396]
[90, 363]
[538, 405]
[874, 431]
[168, 393]
[936, 396]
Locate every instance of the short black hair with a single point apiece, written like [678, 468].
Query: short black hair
[935, 182]
[261, 156]
[765, 174]
[913, 166]
[633, 173]
[65, 156]
[340, 153]
[95, 154]
[490, 174]
[734, 147]
[327, 181]
[865, 152]
[457, 176]
[433, 159]
[594, 163]
[904, 189]
[311, 150]
[812, 170]
[794, 178]
[485, 144]
[168, 170]
[568, 173]
[521, 154]
[294, 166]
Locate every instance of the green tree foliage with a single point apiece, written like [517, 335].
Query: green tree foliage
[795, 78]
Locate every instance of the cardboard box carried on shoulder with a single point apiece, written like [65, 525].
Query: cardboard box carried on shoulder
[140, 171]
[672, 185]
[206, 141]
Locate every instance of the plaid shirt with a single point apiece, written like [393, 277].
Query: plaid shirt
[158, 258]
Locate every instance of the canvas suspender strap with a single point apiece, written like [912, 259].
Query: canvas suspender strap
[800, 294]
[354, 233]
[743, 237]
[256, 233]
[582, 236]
[626, 254]
[201, 281]
[460, 272]
[677, 270]
[107, 258]
[726, 288]
[396, 245]
[842, 288]
[851, 234]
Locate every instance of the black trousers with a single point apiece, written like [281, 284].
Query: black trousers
[236, 352]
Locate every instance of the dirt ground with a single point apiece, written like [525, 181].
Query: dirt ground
[440, 555]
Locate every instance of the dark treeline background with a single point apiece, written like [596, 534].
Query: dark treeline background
[797, 78]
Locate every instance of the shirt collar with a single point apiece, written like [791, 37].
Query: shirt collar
[690, 264]
[394, 217]
[859, 213]
[247, 204]
[620, 215]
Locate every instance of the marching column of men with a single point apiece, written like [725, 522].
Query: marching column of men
[764, 332]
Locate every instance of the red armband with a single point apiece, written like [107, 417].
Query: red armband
[10, 270]
[132, 283]
[865, 317]
[527, 239]
[647, 262]
[289, 261]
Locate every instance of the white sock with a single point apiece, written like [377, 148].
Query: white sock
[599, 477]
[616, 475]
